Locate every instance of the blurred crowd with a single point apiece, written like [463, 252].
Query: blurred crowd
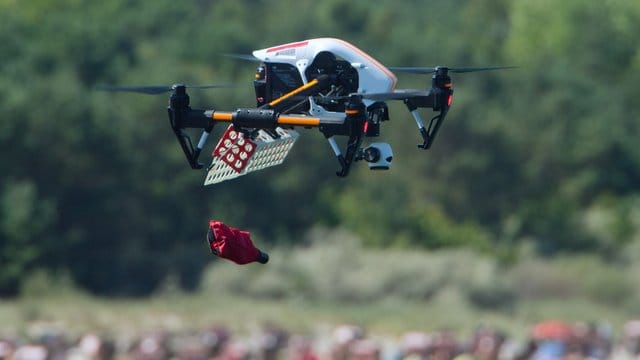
[547, 340]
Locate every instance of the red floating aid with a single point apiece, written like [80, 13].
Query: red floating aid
[233, 244]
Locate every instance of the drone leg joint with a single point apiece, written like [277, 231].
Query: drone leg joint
[423, 131]
[339, 156]
[413, 109]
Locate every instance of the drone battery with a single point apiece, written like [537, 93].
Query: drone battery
[236, 155]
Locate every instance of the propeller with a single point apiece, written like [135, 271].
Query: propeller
[431, 70]
[245, 57]
[396, 95]
[399, 94]
[155, 90]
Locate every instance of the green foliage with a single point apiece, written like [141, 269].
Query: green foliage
[335, 268]
[586, 277]
[94, 185]
[41, 284]
[25, 218]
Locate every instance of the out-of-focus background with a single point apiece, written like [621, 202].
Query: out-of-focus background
[526, 209]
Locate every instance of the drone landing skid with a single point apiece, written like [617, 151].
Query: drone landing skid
[237, 154]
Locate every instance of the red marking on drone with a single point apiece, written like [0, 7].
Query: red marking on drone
[234, 150]
[288, 46]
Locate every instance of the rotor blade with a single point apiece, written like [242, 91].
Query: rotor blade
[216, 86]
[399, 94]
[155, 90]
[414, 70]
[474, 69]
[150, 90]
[396, 95]
[245, 57]
[431, 70]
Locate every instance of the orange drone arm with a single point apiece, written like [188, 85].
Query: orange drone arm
[292, 120]
[296, 91]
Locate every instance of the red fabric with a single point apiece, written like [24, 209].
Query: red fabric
[232, 244]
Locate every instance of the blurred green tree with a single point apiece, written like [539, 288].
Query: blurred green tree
[94, 183]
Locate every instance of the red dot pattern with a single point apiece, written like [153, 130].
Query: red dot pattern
[234, 149]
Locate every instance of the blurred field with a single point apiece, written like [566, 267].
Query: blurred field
[131, 318]
[333, 280]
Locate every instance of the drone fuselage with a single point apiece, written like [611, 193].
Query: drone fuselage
[350, 70]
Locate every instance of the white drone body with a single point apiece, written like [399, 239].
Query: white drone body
[373, 77]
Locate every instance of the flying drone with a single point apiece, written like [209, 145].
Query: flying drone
[324, 83]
